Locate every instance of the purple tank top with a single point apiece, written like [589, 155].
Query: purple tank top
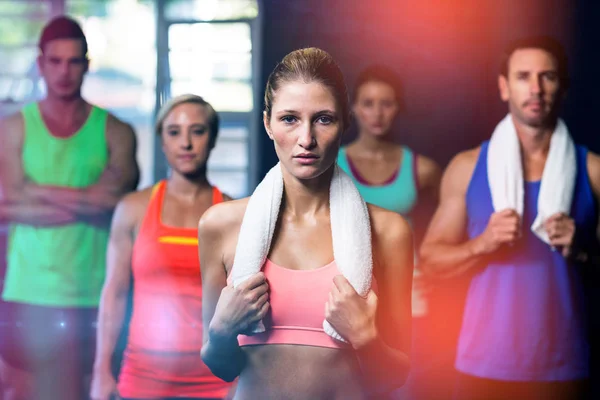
[524, 315]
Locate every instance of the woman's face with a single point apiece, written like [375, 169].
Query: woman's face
[306, 126]
[375, 108]
[186, 138]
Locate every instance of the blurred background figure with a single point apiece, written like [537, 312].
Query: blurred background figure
[154, 241]
[524, 331]
[392, 176]
[387, 174]
[64, 165]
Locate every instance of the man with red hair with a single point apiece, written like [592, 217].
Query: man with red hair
[64, 165]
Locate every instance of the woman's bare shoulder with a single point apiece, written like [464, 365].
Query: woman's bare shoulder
[133, 205]
[391, 232]
[222, 217]
[388, 223]
[139, 198]
[392, 241]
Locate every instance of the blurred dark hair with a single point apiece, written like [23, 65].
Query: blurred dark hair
[380, 73]
[62, 27]
[546, 43]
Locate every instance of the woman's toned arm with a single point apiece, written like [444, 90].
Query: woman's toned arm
[226, 312]
[114, 293]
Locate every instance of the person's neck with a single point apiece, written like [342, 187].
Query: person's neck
[188, 187]
[373, 145]
[305, 198]
[65, 109]
[534, 140]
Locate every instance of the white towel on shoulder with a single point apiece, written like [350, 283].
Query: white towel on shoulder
[350, 229]
[505, 174]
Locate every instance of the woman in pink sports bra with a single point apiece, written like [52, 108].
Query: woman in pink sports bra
[306, 113]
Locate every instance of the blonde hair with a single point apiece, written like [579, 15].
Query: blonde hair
[165, 110]
[309, 65]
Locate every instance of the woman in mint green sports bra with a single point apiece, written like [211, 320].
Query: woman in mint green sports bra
[393, 177]
[387, 174]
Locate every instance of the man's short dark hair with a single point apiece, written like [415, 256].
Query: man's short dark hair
[62, 27]
[546, 43]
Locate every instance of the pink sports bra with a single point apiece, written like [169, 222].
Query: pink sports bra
[297, 307]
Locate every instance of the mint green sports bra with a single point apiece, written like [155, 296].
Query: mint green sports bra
[399, 194]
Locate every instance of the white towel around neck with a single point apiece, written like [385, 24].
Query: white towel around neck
[505, 174]
[350, 229]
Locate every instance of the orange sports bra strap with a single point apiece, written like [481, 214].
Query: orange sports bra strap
[217, 195]
[150, 222]
[158, 186]
[156, 199]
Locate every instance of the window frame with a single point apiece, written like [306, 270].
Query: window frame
[249, 120]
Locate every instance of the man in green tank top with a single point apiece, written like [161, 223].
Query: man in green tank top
[64, 165]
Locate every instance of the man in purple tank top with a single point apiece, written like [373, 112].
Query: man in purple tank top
[524, 333]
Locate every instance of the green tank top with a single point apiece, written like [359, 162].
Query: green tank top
[60, 266]
[399, 195]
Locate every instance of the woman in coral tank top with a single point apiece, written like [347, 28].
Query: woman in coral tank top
[154, 241]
